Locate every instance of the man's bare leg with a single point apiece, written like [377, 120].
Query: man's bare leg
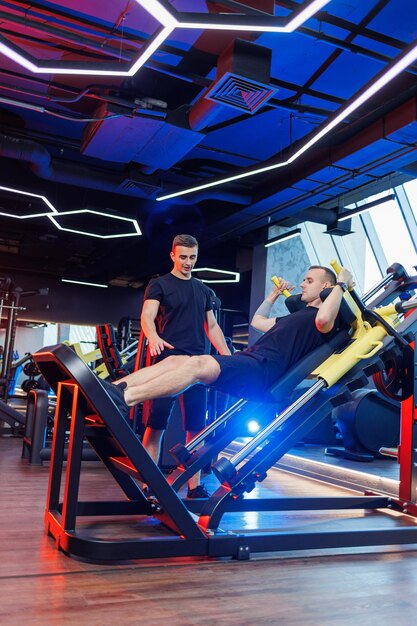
[149, 373]
[190, 370]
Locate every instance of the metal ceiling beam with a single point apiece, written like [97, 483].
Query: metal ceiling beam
[364, 31]
[336, 53]
[85, 23]
[63, 35]
[352, 47]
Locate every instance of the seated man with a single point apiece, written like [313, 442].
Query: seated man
[249, 373]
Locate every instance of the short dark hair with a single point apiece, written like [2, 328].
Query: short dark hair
[188, 241]
[330, 275]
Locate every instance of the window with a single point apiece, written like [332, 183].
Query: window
[393, 234]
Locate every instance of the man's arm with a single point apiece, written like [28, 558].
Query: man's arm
[329, 309]
[261, 320]
[215, 334]
[147, 321]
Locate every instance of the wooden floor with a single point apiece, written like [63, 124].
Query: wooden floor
[40, 585]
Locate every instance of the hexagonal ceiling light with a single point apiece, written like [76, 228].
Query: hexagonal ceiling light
[169, 19]
[135, 232]
[167, 24]
[253, 23]
[54, 216]
[213, 272]
[44, 199]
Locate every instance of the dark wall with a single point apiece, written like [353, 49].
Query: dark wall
[68, 303]
[77, 304]
[234, 295]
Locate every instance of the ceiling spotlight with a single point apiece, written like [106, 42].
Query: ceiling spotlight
[284, 237]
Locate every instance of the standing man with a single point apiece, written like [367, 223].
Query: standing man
[176, 317]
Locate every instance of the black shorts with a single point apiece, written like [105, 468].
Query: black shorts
[245, 376]
[193, 403]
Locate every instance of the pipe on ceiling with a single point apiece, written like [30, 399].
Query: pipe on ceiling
[24, 150]
[42, 164]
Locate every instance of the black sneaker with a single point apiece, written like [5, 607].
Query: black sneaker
[116, 394]
[198, 492]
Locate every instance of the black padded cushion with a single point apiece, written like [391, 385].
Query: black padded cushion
[294, 303]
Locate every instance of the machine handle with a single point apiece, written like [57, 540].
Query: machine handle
[337, 268]
[335, 265]
[377, 344]
[275, 280]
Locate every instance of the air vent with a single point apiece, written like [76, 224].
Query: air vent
[240, 93]
[242, 82]
[132, 185]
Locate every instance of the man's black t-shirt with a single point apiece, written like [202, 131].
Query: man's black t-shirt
[250, 373]
[292, 337]
[182, 312]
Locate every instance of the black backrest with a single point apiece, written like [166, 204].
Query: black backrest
[294, 303]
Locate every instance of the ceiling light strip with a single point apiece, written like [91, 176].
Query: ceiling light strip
[230, 21]
[147, 51]
[159, 12]
[235, 276]
[283, 237]
[30, 195]
[81, 282]
[358, 210]
[54, 213]
[387, 76]
[168, 22]
[132, 221]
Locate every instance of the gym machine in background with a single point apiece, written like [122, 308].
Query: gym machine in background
[10, 296]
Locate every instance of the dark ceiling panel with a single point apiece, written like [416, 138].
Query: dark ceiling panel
[295, 57]
[359, 70]
[351, 10]
[395, 18]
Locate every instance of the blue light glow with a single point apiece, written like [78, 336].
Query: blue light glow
[253, 426]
